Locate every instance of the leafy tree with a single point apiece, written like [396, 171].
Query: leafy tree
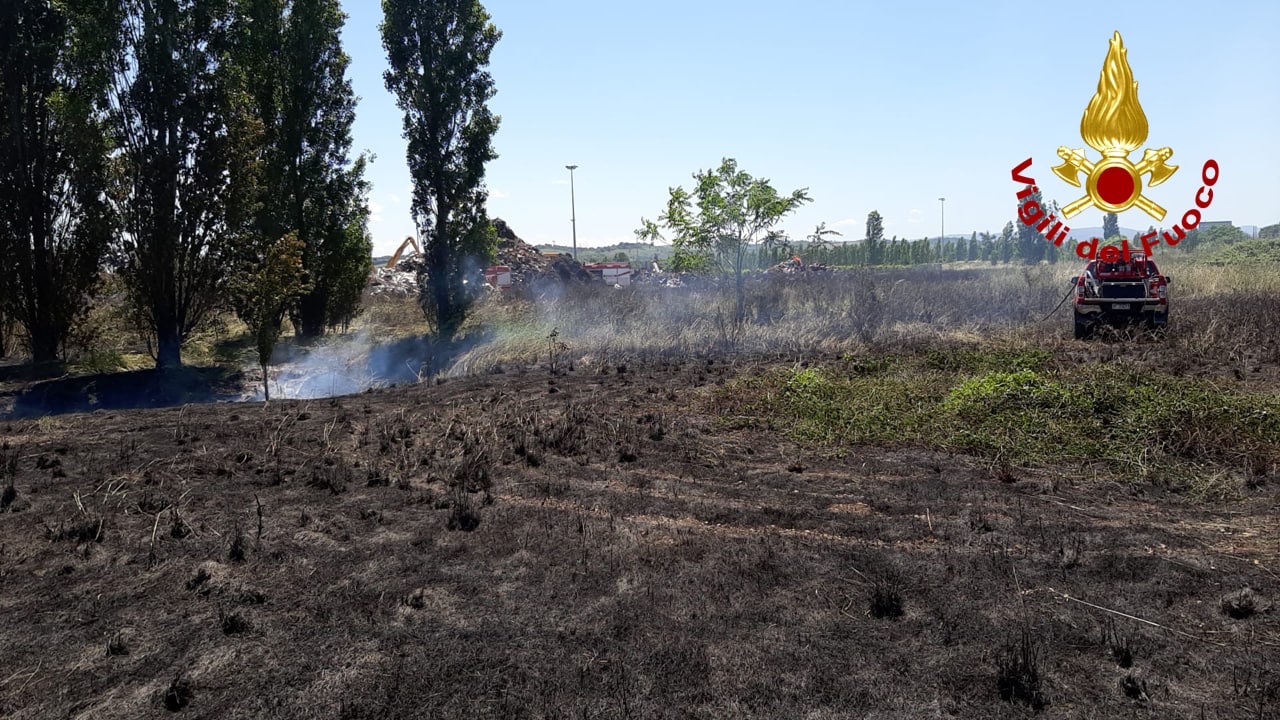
[775, 246]
[187, 161]
[1221, 234]
[818, 241]
[975, 251]
[649, 232]
[1111, 226]
[1269, 232]
[875, 238]
[727, 212]
[263, 296]
[438, 51]
[621, 257]
[55, 224]
[290, 52]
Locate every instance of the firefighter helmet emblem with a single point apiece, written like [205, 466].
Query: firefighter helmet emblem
[1115, 125]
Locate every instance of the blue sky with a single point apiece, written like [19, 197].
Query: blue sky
[872, 106]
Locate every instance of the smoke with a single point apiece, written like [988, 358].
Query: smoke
[356, 363]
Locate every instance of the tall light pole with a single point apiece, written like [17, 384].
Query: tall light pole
[573, 208]
[943, 238]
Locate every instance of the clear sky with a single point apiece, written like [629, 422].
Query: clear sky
[872, 106]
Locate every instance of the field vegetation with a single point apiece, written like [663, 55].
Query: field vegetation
[889, 492]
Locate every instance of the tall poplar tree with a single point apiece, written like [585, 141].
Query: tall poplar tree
[291, 57]
[188, 163]
[55, 222]
[875, 238]
[1110, 226]
[438, 52]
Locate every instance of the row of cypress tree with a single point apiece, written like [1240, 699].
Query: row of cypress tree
[175, 144]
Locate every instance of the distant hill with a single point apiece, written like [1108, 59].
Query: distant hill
[1096, 232]
[635, 252]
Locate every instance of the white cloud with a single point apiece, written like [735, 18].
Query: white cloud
[395, 199]
[915, 216]
[559, 182]
[498, 195]
[848, 222]
[375, 211]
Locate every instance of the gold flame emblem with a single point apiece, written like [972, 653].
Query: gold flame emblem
[1115, 125]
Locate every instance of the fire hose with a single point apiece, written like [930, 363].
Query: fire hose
[1060, 302]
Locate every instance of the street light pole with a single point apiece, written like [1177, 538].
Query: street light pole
[573, 208]
[943, 238]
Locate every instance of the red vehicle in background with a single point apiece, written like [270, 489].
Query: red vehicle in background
[1127, 290]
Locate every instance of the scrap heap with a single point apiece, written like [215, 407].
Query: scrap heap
[527, 263]
[399, 281]
[796, 265]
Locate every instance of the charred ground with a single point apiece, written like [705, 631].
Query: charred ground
[662, 531]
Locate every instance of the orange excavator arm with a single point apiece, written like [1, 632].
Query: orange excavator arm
[395, 258]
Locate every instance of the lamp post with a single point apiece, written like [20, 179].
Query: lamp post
[943, 237]
[573, 208]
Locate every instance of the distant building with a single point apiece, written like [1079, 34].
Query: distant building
[1250, 230]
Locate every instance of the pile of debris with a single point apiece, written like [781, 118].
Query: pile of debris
[796, 265]
[528, 264]
[399, 281]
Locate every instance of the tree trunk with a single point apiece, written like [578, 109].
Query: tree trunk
[44, 345]
[168, 350]
[310, 323]
[440, 275]
[740, 313]
[4, 336]
[266, 384]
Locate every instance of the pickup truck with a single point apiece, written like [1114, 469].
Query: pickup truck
[1128, 290]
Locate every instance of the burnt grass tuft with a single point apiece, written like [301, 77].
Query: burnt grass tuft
[1020, 671]
[178, 695]
[1240, 605]
[886, 599]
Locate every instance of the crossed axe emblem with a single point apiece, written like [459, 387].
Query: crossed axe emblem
[1114, 184]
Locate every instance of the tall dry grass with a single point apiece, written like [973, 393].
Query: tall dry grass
[1221, 319]
[788, 315]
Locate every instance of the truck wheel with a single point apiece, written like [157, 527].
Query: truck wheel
[1157, 322]
[1083, 327]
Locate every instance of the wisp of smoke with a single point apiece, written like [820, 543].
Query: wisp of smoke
[348, 365]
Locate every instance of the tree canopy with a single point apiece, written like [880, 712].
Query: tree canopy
[727, 212]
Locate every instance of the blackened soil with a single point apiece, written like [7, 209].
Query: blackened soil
[598, 545]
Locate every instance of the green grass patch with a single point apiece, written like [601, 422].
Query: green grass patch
[1156, 428]
[987, 360]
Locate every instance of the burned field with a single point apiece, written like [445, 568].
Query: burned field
[605, 542]
[867, 503]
